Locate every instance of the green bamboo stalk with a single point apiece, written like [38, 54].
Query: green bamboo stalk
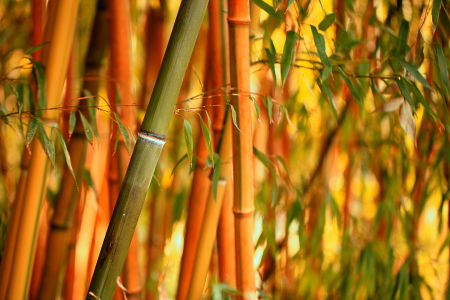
[151, 139]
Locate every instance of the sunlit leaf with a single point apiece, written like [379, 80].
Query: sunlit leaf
[319, 40]
[288, 55]
[327, 21]
[233, 117]
[178, 163]
[269, 9]
[414, 72]
[66, 155]
[188, 140]
[35, 48]
[207, 135]
[46, 143]
[407, 122]
[124, 133]
[443, 70]
[406, 92]
[87, 128]
[255, 103]
[32, 127]
[435, 13]
[350, 85]
[92, 112]
[72, 122]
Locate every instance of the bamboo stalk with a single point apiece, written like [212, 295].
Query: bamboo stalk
[147, 150]
[238, 20]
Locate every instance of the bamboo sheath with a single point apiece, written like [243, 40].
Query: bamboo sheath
[211, 219]
[238, 20]
[55, 56]
[147, 150]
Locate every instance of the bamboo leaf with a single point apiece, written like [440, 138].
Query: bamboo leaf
[116, 143]
[269, 9]
[270, 108]
[402, 42]
[87, 128]
[406, 93]
[233, 117]
[216, 175]
[350, 85]
[271, 57]
[414, 72]
[72, 122]
[124, 133]
[92, 112]
[178, 163]
[283, 162]
[407, 122]
[255, 103]
[288, 55]
[326, 89]
[32, 127]
[442, 65]
[39, 78]
[319, 41]
[66, 155]
[422, 100]
[435, 13]
[131, 134]
[194, 162]
[35, 48]
[88, 179]
[207, 135]
[188, 140]
[289, 4]
[46, 143]
[262, 158]
[327, 21]
[392, 104]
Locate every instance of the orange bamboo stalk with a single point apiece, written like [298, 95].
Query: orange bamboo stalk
[238, 20]
[37, 31]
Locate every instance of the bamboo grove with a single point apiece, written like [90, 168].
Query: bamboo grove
[224, 149]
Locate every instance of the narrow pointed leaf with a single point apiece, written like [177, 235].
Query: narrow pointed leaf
[422, 100]
[255, 103]
[326, 89]
[407, 122]
[207, 135]
[406, 93]
[216, 175]
[233, 117]
[266, 162]
[319, 41]
[32, 127]
[35, 48]
[66, 155]
[402, 42]
[289, 4]
[178, 163]
[46, 143]
[288, 54]
[72, 122]
[39, 78]
[124, 133]
[327, 21]
[269, 9]
[188, 140]
[92, 112]
[87, 128]
[435, 13]
[116, 143]
[350, 85]
[392, 105]
[414, 72]
[443, 70]
[88, 179]
[270, 109]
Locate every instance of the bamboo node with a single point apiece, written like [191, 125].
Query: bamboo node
[238, 21]
[154, 138]
[243, 213]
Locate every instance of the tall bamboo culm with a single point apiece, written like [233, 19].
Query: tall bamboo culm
[151, 139]
[61, 223]
[55, 56]
[238, 22]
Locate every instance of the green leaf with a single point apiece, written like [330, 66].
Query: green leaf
[131, 133]
[327, 21]
[124, 133]
[289, 4]
[87, 128]
[350, 85]
[422, 100]
[443, 71]
[325, 89]
[283, 162]
[39, 78]
[288, 55]
[66, 155]
[72, 122]
[207, 135]
[216, 175]
[406, 93]
[92, 112]
[271, 57]
[414, 72]
[178, 163]
[402, 43]
[188, 140]
[262, 158]
[88, 179]
[319, 40]
[270, 109]
[46, 143]
[435, 13]
[269, 9]
[116, 143]
[35, 48]
[233, 117]
[32, 127]
[255, 103]
[118, 95]
[192, 168]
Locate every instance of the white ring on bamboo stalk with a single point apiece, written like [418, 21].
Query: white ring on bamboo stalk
[151, 139]
[222, 182]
